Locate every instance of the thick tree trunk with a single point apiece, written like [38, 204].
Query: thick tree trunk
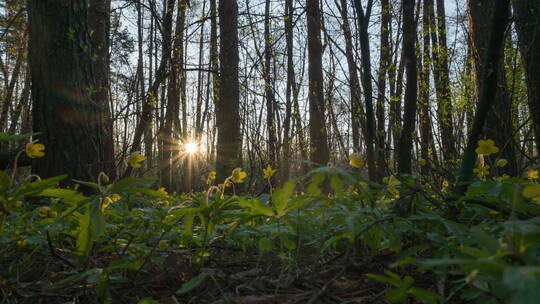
[99, 26]
[71, 123]
[488, 85]
[499, 125]
[527, 15]
[227, 105]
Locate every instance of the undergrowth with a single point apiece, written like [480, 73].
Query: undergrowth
[330, 236]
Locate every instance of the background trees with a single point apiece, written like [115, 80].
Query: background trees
[267, 82]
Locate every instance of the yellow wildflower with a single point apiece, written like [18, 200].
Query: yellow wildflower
[502, 162]
[22, 243]
[34, 149]
[486, 147]
[532, 192]
[445, 185]
[532, 174]
[44, 211]
[422, 162]
[212, 175]
[393, 182]
[238, 175]
[105, 202]
[268, 172]
[356, 160]
[163, 244]
[162, 191]
[135, 159]
[115, 197]
[481, 171]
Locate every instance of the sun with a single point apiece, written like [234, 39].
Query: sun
[191, 147]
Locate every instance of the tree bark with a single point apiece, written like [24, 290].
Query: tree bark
[70, 121]
[319, 153]
[527, 16]
[409, 57]
[227, 105]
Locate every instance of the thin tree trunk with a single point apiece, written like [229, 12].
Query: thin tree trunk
[409, 57]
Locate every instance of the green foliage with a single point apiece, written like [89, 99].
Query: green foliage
[484, 244]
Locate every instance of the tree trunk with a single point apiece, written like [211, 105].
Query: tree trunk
[319, 152]
[99, 25]
[499, 126]
[269, 89]
[409, 57]
[71, 123]
[527, 15]
[442, 80]
[227, 105]
[363, 22]
[488, 86]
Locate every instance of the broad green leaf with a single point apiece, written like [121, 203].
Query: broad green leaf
[281, 196]
[36, 187]
[91, 225]
[255, 207]
[336, 184]
[424, 295]
[265, 244]
[313, 189]
[131, 182]
[69, 196]
[192, 284]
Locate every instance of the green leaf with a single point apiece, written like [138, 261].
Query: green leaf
[424, 295]
[281, 196]
[131, 182]
[192, 284]
[91, 225]
[7, 137]
[69, 196]
[5, 181]
[36, 187]
[265, 244]
[313, 189]
[336, 184]
[255, 207]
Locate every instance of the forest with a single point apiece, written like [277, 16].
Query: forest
[269, 151]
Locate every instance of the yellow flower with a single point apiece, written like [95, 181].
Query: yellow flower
[422, 162]
[268, 172]
[502, 162]
[212, 175]
[34, 149]
[115, 197]
[163, 244]
[532, 174]
[532, 192]
[22, 243]
[135, 159]
[393, 182]
[481, 171]
[162, 191]
[238, 175]
[385, 180]
[486, 147]
[44, 211]
[356, 160]
[105, 202]
[445, 184]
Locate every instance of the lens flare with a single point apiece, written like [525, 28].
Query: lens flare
[191, 147]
